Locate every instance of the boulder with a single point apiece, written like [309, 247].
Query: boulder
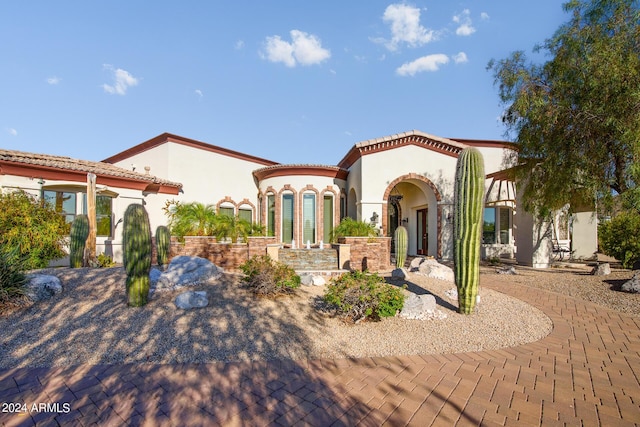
[509, 269]
[601, 269]
[191, 299]
[399, 273]
[431, 268]
[415, 263]
[632, 285]
[186, 271]
[420, 307]
[308, 279]
[42, 286]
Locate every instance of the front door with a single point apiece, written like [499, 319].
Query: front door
[423, 231]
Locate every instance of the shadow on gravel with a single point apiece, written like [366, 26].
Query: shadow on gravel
[419, 290]
[228, 341]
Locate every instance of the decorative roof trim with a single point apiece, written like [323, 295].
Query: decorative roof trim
[300, 169]
[445, 146]
[167, 137]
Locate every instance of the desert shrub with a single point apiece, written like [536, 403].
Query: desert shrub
[267, 277]
[105, 261]
[619, 237]
[35, 229]
[361, 295]
[12, 277]
[349, 227]
[190, 219]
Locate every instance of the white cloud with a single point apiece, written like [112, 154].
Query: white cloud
[239, 44]
[465, 27]
[405, 27]
[123, 80]
[199, 93]
[53, 80]
[460, 58]
[425, 63]
[304, 49]
[484, 16]
[12, 132]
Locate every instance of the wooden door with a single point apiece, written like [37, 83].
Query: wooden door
[422, 234]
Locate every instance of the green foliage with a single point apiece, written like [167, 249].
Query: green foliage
[190, 219]
[269, 278]
[401, 244]
[233, 228]
[136, 249]
[105, 261]
[467, 226]
[78, 239]
[37, 231]
[349, 227]
[12, 278]
[163, 244]
[360, 295]
[619, 237]
[576, 117]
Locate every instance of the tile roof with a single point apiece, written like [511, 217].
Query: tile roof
[63, 163]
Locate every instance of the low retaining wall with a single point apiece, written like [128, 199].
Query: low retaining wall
[367, 253]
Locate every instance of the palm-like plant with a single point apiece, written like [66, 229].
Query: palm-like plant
[232, 227]
[192, 219]
[349, 227]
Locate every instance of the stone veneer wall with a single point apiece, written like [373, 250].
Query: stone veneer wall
[368, 253]
[226, 255]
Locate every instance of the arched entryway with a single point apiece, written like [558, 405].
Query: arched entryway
[413, 201]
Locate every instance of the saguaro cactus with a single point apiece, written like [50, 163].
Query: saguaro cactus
[163, 244]
[78, 239]
[136, 245]
[467, 226]
[400, 238]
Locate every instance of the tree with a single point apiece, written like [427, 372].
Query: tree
[191, 219]
[576, 117]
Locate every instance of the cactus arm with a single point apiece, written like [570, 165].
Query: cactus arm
[401, 243]
[136, 245]
[77, 240]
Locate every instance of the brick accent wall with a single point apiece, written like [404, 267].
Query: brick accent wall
[226, 255]
[373, 254]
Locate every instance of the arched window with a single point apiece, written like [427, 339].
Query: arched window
[327, 217]
[271, 214]
[308, 218]
[288, 214]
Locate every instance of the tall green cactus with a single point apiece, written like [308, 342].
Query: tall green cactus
[163, 244]
[467, 226]
[78, 239]
[401, 243]
[136, 245]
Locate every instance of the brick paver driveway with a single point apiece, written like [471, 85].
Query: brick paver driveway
[586, 372]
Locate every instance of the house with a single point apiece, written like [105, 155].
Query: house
[402, 179]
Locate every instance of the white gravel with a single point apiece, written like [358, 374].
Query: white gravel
[90, 323]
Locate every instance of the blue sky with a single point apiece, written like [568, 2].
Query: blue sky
[290, 81]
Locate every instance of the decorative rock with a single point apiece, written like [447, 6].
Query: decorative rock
[415, 263]
[192, 299]
[308, 279]
[433, 269]
[420, 307]
[632, 285]
[42, 286]
[186, 271]
[399, 273]
[601, 269]
[507, 270]
[452, 294]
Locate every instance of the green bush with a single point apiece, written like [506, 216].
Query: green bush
[619, 237]
[360, 295]
[267, 277]
[105, 261]
[12, 278]
[349, 227]
[36, 230]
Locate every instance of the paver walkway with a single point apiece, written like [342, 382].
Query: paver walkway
[586, 372]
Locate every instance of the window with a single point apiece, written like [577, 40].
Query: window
[343, 207]
[287, 217]
[225, 211]
[489, 227]
[245, 214]
[327, 223]
[103, 214]
[497, 226]
[63, 202]
[505, 226]
[308, 218]
[271, 215]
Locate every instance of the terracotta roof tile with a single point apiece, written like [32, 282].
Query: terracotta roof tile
[70, 164]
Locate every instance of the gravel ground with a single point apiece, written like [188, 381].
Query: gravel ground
[90, 323]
